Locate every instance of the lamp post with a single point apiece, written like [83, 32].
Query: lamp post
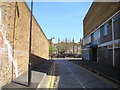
[30, 44]
[51, 40]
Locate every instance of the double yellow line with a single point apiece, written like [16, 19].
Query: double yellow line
[51, 77]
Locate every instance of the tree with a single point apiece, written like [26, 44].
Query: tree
[62, 51]
[51, 49]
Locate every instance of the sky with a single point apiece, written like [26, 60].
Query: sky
[61, 19]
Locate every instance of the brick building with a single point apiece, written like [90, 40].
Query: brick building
[14, 41]
[101, 42]
[70, 47]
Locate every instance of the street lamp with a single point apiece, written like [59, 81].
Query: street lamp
[51, 40]
[30, 43]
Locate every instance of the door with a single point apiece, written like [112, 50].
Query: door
[94, 54]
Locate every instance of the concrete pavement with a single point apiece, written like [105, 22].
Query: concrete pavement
[39, 73]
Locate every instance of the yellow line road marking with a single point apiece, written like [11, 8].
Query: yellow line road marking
[51, 77]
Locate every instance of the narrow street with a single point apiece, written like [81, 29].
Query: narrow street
[69, 75]
[59, 44]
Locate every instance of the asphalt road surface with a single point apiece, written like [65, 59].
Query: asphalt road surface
[70, 75]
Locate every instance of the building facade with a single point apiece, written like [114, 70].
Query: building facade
[14, 41]
[69, 47]
[101, 42]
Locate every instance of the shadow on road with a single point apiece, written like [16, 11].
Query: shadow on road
[108, 71]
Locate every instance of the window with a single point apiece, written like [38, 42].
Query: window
[87, 40]
[105, 29]
[116, 17]
[96, 35]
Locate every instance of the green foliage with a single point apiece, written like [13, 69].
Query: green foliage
[62, 51]
[76, 53]
[51, 50]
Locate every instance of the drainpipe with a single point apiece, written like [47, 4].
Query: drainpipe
[30, 44]
[14, 38]
[113, 44]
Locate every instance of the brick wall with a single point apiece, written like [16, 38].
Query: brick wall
[14, 41]
[97, 14]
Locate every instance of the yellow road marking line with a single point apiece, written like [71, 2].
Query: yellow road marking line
[51, 78]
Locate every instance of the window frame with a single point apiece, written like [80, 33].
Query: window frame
[117, 17]
[105, 29]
